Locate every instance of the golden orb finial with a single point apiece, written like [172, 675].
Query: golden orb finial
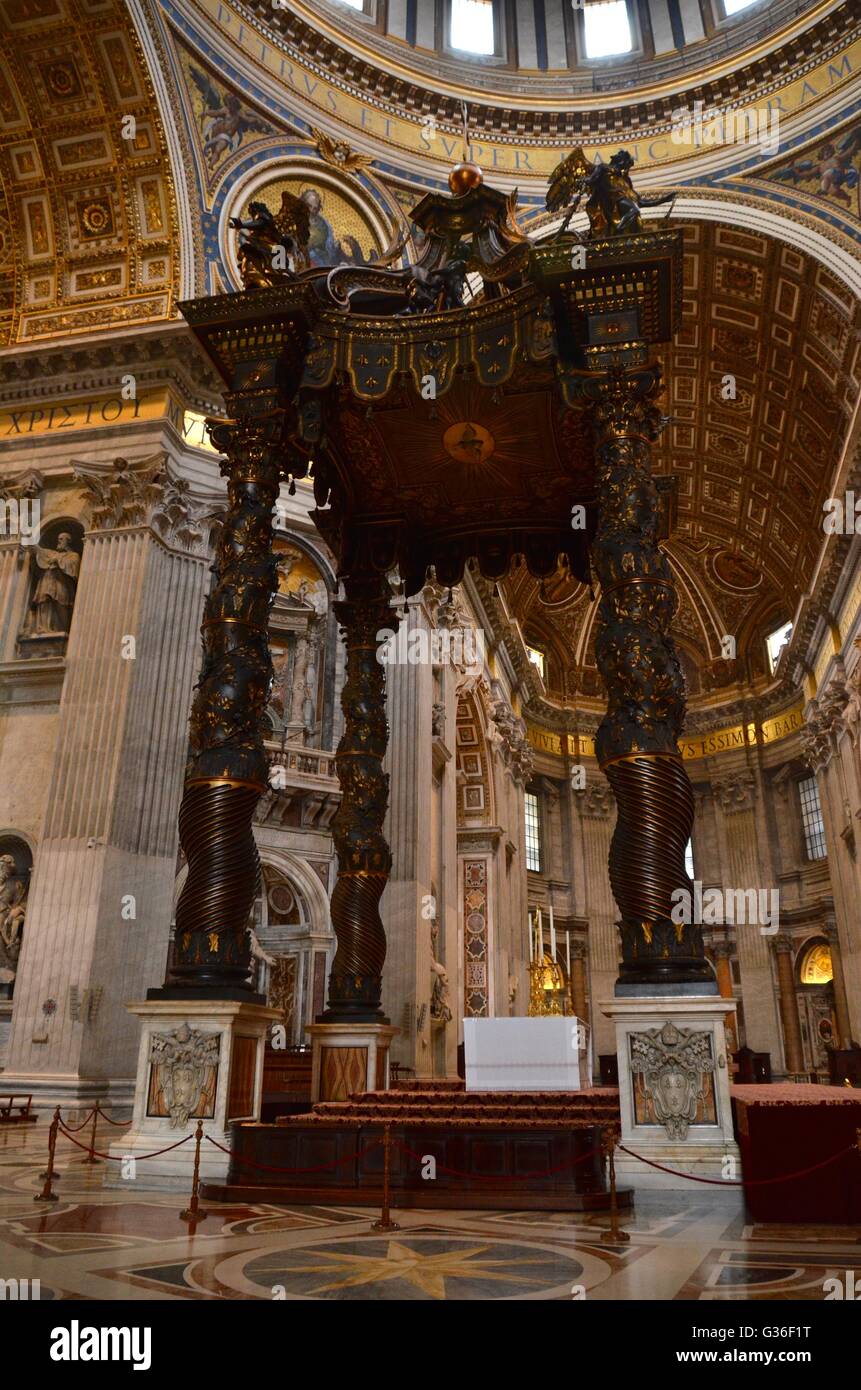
[463, 177]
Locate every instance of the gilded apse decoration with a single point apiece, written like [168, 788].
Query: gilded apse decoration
[364, 857]
[338, 153]
[228, 770]
[637, 740]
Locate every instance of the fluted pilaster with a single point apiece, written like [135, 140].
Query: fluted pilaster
[102, 887]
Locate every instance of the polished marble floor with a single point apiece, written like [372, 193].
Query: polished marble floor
[98, 1243]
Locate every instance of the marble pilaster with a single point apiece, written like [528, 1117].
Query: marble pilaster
[735, 795]
[101, 896]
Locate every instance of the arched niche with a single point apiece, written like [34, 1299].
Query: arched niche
[55, 565]
[16, 865]
[303, 642]
[815, 988]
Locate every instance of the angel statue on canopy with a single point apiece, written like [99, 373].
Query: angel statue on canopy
[613, 205]
[273, 248]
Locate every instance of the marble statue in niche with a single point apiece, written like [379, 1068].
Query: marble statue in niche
[299, 626]
[440, 1007]
[50, 609]
[13, 908]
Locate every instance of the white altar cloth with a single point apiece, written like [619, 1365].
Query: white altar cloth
[527, 1054]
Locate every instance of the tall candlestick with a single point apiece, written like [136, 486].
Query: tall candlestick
[531, 950]
[568, 953]
[539, 938]
[552, 937]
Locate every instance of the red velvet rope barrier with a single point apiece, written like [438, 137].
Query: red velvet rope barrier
[76, 1129]
[740, 1182]
[118, 1124]
[122, 1158]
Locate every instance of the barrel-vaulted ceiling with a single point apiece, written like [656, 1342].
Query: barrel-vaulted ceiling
[88, 229]
[779, 331]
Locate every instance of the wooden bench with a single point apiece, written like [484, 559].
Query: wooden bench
[12, 1103]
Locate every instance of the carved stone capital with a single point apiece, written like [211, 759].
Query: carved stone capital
[736, 792]
[146, 493]
[507, 733]
[28, 484]
[722, 949]
[595, 800]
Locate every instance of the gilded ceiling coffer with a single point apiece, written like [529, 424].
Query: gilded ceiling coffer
[364, 857]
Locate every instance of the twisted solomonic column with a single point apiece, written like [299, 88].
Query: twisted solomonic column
[228, 770]
[636, 744]
[364, 857]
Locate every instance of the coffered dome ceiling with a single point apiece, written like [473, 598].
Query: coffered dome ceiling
[88, 230]
[752, 473]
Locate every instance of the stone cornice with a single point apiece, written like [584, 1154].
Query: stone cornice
[568, 109]
[166, 355]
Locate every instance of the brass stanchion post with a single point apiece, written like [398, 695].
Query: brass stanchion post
[91, 1156]
[385, 1222]
[615, 1235]
[47, 1195]
[192, 1212]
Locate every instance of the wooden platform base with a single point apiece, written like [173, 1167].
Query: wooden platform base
[449, 1149]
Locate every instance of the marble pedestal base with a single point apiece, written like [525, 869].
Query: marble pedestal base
[349, 1057]
[674, 1083]
[198, 1059]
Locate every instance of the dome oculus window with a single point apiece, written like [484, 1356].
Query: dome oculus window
[536, 656]
[471, 26]
[775, 643]
[607, 28]
[731, 7]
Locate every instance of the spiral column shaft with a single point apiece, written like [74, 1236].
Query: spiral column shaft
[364, 857]
[637, 741]
[228, 769]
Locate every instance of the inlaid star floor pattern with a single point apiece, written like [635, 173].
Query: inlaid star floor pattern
[100, 1243]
